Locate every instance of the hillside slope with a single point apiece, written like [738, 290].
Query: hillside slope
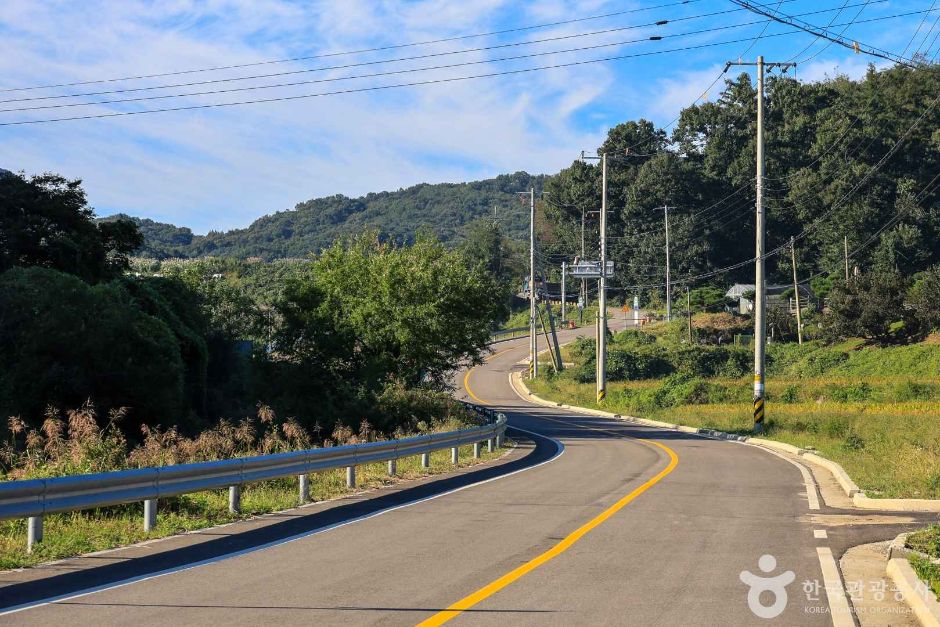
[445, 209]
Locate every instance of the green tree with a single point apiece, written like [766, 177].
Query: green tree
[923, 299]
[63, 341]
[45, 221]
[869, 307]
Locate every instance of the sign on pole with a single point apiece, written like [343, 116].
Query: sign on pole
[590, 270]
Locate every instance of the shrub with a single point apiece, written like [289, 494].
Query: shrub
[819, 362]
[847, 393]
[712, 361]
[631, 365]
[633, 337]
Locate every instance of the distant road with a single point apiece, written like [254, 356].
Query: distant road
[602, 522]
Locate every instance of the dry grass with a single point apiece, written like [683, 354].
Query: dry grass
[74, 443]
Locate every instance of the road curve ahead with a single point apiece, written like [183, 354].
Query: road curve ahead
[590, 521]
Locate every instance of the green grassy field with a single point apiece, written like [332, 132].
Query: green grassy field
[876, 411]
[75, 533]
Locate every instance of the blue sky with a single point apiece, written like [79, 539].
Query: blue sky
[221, 168]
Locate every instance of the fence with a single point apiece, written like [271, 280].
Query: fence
[34, 498]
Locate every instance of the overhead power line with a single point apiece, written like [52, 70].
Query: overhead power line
[823, 33]
[354, 52]
[214, 105]
[607, 31]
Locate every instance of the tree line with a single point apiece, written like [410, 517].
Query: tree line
[368, 330]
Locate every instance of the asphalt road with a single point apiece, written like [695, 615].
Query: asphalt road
[590, 521]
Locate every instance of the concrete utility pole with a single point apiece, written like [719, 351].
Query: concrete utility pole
[845, 247]
[602, 291]
[760, 288]
[688, 310]
[564, 267]
[583, 283]
[533, 329]
[668, 281]
[796, 293]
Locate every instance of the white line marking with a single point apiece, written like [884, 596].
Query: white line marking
[820, 534]
[812, 498]
[559, 451]
[839, 608]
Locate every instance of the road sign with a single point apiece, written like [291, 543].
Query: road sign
[590, 270]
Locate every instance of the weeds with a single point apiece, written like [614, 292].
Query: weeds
[73, 443]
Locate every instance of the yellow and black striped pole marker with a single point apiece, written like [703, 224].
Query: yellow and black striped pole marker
[758, 403]
[600, 395]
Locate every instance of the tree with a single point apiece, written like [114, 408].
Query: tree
[45, 221]
[416, 312]
[869, 307]
[63, 341]
[923, 299]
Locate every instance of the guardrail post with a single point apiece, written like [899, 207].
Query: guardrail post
[490, 445]
[234, 499]
[499, 440]
[33, 532]
[350, 476]
[425, 460]
[453, 455]
[476, 450]
[304, 488]
[150, 514]
[392, 467]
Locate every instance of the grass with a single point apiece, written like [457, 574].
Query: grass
[884, 430]
[927, 541]
[75, 533]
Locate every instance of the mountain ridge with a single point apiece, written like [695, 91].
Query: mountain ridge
[312, 225]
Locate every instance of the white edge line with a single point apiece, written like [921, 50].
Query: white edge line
[559, 451]
[812, 497]
[839, 609]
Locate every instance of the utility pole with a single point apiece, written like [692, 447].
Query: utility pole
[533, 329]
[668, 281]
[602, 291]
[564, 267]
[688, 310]
[760, 295]
[796, 293]
[845, 247]
[583, 282]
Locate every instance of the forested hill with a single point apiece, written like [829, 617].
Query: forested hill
[445, 209]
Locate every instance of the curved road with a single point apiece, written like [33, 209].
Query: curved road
[599, 522]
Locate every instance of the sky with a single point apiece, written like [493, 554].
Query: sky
[219, 168]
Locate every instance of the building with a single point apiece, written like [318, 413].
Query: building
[775, 297]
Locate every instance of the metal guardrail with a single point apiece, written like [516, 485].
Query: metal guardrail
[34, 498]
[508, 334]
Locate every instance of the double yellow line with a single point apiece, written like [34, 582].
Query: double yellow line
[567, 542]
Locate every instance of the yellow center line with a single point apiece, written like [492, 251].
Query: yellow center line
[466, 378]
[492, 588]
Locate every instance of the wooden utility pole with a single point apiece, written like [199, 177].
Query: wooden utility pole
[688, 310]
[796, 292]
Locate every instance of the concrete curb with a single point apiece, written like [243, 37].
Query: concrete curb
[921, 600]
[851, 489]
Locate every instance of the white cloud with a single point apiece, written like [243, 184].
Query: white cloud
[220, 168]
